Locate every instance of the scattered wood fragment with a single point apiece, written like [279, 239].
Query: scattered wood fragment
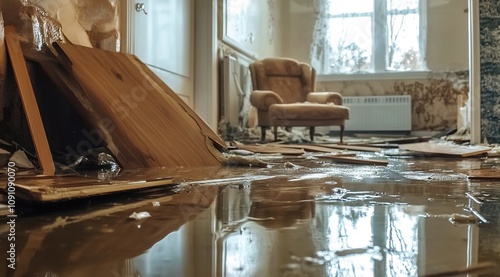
[355, 160]
[268, 149]
[381, 145]
[307, 147]
[69, 187]
[399, 140]
[448, 149]
[487, 173]
[4, 157]
[28, 99]
[480, 267]
[352, 147]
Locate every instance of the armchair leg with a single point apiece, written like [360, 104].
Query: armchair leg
[311, 133]
[275, 133]
[341, 133]
[263, 133]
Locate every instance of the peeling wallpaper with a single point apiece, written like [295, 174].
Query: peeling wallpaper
[490, 69]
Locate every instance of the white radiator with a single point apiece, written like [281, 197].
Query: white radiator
[379, 113]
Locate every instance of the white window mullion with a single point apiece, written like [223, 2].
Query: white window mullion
[422, 12]
[380, 36]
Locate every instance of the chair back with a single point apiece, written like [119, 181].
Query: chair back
[290, 79]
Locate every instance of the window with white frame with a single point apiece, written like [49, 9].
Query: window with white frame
[369, 36]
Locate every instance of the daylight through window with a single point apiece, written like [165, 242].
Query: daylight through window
[369, 36]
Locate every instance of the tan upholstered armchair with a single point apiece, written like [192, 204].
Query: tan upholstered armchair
[284, 96]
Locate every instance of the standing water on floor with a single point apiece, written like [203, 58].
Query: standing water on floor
[414, 217]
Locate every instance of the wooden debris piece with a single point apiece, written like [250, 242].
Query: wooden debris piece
[355, 160]
[489, 173]
[473, 269]
[352, 147]
[142, 121]
[64, 188]
[4, 157]
[28, 99]
[307, 147]
[398, 140]
[446, 149]
[267, 149]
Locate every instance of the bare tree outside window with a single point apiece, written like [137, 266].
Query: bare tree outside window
[370, 36]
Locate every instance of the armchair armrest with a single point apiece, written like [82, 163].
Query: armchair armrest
[325, 97]
[263, 99]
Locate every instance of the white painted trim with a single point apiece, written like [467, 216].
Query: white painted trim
[205, 85]
[126, 34]
[474, 72]
[375, 76]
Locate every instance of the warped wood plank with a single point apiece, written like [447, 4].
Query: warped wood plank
[64, 188]
[446, 149]
[28, 99]
[487, 173]
[266, 149]
[306, 147]
[141, 120]
[355, 160]
[352, 147]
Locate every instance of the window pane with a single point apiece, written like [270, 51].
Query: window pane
[350, 6]
[351, 45]
[403, 42]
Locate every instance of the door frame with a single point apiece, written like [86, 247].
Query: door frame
[205, 54]
[474, 73]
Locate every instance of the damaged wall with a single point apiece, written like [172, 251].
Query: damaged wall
[92, 23]
[83, 22]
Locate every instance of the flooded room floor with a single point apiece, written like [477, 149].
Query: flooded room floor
[417, 216]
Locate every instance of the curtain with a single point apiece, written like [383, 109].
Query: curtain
[320, 46]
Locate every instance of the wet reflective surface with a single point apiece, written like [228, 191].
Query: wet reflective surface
[298, 217]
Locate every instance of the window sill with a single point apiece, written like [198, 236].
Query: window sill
[375, 76]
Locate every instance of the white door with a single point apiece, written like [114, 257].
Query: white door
[163, 38]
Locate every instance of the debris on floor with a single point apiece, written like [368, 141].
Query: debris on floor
[139, 215]
[446, 148]
[485, 173]
[4, 157]
[45, 189]
[20, 160]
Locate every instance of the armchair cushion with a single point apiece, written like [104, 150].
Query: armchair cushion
[309, 111]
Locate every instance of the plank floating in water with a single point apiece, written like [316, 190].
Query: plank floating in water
[307, 147]
[142, 121]
[446, 149]
[70, 187]
[352, 147]
[489, 173]
[267, 149]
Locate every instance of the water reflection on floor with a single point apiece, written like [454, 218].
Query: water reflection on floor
[301, 218]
